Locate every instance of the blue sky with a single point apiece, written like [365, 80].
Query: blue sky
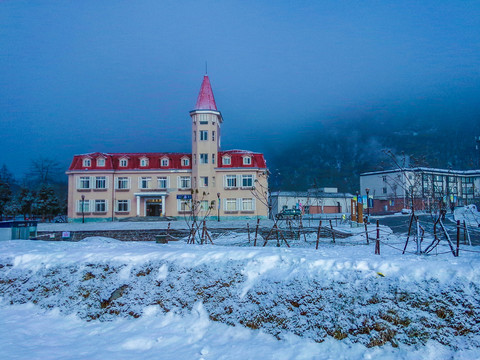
[121, 76]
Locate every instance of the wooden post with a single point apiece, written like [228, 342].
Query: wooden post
[366, 232]
[409, 229]
[256, 233]
[377, 241]
[168, 228]
[468, 234]
[248, 232]
[333, 233]
[458, 237]
[318, 233]
[418, 236]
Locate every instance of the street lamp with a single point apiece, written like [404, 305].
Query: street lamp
[218, 207]
[83, 209]
[367, 190]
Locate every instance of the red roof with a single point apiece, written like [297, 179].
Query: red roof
[205, 100]
[237, 156]
[112, 161]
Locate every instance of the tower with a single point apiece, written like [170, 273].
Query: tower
[206, 123]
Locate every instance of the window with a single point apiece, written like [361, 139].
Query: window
[144, 182]
[384, 178]
[123, 205]
[85, 204]
[100, 205]
[100, 182]
[184, 182]
[194, 135]
[84, 182]
[247, 204]
[204, 205]
[123, 162]
[213, 158]
[123, 183]
[184, 204]
[203, 135]
[101, 162]
[247, 160]
[213, 135]
[87, 162]
[384, 190]
[143, 162]
[226, 160]
[203, 158]
[164, 162]
[185, 162]
[230, 181]
[162, 182]
[247, 181]
[230, 204]
[203, 181]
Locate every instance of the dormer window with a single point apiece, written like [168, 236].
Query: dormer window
[87, 162]
[185, 161]
[143, 162]
[247, 160]
[101, 161]
[123, 162]
[164, 162]
[226, 160]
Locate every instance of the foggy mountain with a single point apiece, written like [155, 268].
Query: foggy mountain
[336, 151]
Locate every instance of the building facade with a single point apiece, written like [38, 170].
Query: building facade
[314, 202]
[205, 183]
[426, 188]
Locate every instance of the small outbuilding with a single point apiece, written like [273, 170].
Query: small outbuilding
[322, 202]
[13, 230]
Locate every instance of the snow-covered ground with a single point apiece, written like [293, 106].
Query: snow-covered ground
[101, 299]
[469, 214]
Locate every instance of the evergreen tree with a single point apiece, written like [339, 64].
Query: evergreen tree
[5, 196]
[25, 199]
[46, 203]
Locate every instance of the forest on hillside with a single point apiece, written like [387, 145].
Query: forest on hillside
[337, 152]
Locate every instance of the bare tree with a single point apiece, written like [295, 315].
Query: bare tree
[44, 171]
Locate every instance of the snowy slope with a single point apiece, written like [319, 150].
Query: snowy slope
[191, 301]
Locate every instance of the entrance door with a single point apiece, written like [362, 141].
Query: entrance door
[154, 207]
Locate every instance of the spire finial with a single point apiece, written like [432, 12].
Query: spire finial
[206, 68]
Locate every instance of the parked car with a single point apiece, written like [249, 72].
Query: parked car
[289, 214]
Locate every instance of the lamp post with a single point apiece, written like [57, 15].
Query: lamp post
[218, 207]
[83, 209]
[367, 190]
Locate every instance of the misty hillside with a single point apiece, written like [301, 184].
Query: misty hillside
[336, 152]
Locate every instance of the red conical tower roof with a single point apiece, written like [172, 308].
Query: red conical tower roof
[205, 100]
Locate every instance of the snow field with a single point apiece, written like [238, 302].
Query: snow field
[141, 298]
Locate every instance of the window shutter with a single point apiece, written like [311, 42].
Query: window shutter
[92, 185]
[168, 184]
[178, 183]
[107, 180]
[239, 179]
[78, 182]
[106, 205]
[128, 183]
[254, 204]
[128, 205]
[139, 182]
[239, 204]
[225, 204]
[224, 180]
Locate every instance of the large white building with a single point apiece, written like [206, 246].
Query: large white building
[428, 188]
[206, 182]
